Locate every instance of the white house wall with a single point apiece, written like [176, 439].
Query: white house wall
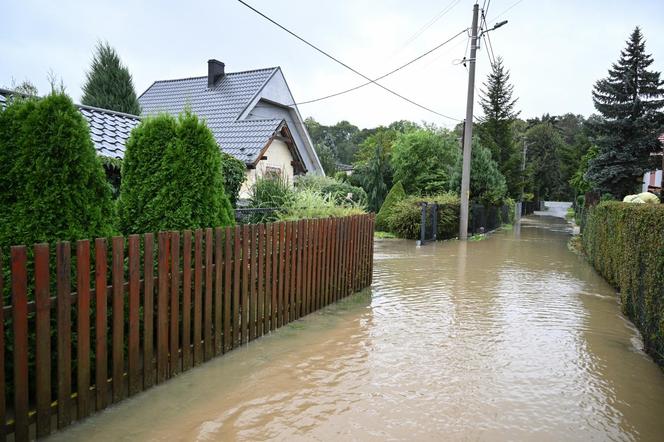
[279, 158]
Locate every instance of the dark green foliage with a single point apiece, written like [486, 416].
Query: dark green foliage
[395, 195]
[171, 177]
[544, 163]
[109, 84]
[487, 184]
[327, 158]
[52, 185]
[234, 173]
[495, 130]
[625, 243]
[578, 181]
[405, 216]
[270, 192]
[423, 160]
[629, 100]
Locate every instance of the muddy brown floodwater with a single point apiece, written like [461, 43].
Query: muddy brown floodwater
[509, 338]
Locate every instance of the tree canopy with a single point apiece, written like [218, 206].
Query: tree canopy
[629, 101]
[109, 84]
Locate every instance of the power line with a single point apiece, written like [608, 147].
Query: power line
[506, 10]
[384, 75]
[316, 48]
[430, 23]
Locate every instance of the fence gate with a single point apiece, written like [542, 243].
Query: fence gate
[428, 223]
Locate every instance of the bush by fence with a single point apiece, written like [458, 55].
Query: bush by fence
[162, 308]
[625, 243]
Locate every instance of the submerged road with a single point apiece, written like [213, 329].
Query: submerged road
[508, 338]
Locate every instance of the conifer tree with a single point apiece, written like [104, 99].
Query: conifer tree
[495, 129]
[109, 84]
[629, 100]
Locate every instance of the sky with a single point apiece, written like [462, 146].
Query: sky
[554, 50]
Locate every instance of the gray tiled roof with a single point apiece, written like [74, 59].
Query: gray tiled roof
[109, 130]
[220, 107]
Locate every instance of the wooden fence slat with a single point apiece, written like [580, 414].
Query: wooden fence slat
[148, 310]
[228, 262]
[316, 267]
[328, 259]
[198, 293]
[253, 289]
[267, 308]
[335, 264]
[83, 327]
[133, 353]
[286, 273]
[101, 321]
[162, 307]
[118, 318]
[174, 352]
[342, 259]
[207, 309]
[237, 251]
[63, 285]
[244, 308]
[292, 276]
[321, 263]
[275, 277]
[308, 261]
[298, 270]
[260, 308]
[20, 323]
[3, 380]
[43, 339]
[282, 252]
[218, 281]
[186, 300]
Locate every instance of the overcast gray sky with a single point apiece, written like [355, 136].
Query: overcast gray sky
[555, 50]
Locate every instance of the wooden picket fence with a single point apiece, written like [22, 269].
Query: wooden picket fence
[164, 308]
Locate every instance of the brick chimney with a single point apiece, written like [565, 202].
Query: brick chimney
[215, 72]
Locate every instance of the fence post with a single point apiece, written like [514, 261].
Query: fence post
[423, 223]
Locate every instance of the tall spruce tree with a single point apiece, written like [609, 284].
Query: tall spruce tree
[495, 129]
[109, 84]
[629, 100]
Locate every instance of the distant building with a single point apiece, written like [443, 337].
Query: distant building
[653, 181]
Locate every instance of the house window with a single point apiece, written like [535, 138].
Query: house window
[272, 171]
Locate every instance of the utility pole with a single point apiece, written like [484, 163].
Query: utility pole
[468, 130]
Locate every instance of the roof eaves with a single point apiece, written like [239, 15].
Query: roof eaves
[244, 109]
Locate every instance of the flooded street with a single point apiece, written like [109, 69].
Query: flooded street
[508, 338]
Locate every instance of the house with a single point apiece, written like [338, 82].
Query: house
[251, 114]
[653, 180]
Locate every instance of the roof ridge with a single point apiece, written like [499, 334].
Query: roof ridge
[205, 76]
[108, 111]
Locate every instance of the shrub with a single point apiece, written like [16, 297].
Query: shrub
[52, 185]
[308, 203]
[171, 177]
[625, 243]
[405, 216]
[487, 184]
[423, 160]
[395, 195]
[338, 191]
[270, 192]
[234, 173]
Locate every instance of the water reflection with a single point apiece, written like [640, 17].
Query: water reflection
[509, 338]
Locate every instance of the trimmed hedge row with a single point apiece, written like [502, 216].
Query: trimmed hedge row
[625, 243]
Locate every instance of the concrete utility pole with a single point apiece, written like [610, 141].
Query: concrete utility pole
[468, 130]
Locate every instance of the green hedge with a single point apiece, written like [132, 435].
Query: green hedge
[625, 243]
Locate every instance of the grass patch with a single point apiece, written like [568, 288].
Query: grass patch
[384, 235]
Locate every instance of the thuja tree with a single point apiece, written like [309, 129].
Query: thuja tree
[234, 173]
[172, 177]
[495, 130]
[108, 83]
[52, 185]
[629, 101]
